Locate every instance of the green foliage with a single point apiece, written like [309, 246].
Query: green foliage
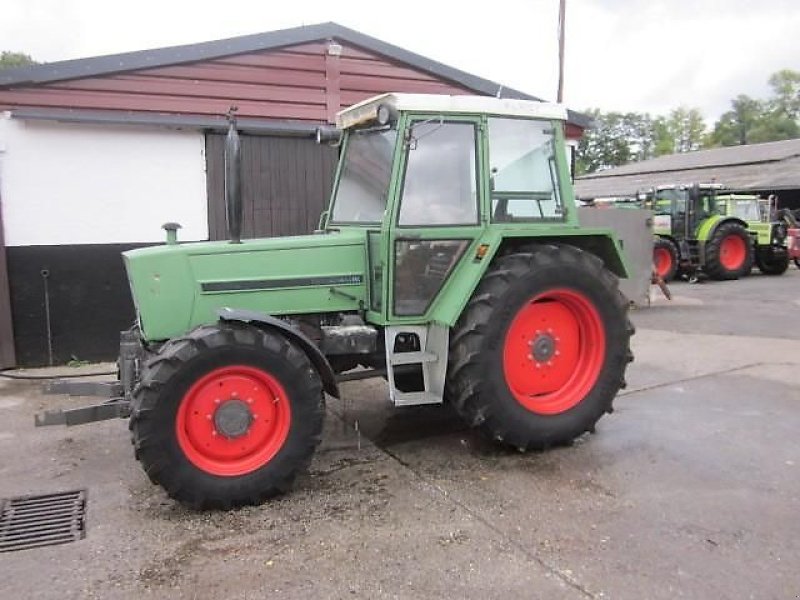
[622, 138]
[619, 138]
[736, 126]
[9, 60]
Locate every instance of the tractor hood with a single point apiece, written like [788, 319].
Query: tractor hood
[178, 286]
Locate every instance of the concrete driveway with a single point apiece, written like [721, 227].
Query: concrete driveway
[691, 489]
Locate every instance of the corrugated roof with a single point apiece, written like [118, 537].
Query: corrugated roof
[769, 166]
[159, 57]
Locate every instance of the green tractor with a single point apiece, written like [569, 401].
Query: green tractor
[767, 230]
[692, 236]
[450, 262]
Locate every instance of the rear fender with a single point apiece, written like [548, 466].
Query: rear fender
[266, 321]
[709, 227]
[606, 247]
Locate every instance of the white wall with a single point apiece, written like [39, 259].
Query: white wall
[90, 184]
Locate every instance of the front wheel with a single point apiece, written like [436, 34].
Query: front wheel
[729, 253]
[665, 259]
[540, 352]
[770, 262]
[227, 416]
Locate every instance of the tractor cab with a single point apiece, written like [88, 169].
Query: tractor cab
[680, 210]
[429, 179]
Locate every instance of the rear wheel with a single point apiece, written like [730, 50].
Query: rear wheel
[540, 352]
[227, 416]
[665, 258]
[729, 253]
[771, 263]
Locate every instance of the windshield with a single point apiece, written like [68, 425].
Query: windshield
[747, 210]
[364, 179]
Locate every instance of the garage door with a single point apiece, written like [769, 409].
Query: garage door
[286, 184]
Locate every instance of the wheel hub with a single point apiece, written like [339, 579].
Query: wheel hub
[543, 347]
[233, 419]
[554, 351]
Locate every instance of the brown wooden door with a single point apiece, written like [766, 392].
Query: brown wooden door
[286, 184]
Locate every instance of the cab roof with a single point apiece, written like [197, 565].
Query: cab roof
[438, 103]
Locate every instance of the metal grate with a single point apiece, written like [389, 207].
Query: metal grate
[46, 520]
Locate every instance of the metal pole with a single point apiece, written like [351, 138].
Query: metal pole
[562, 12]
[45, 276]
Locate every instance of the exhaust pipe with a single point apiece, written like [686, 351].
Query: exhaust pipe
[233, 178]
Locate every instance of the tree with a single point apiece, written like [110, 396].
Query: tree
[785, 86]
[687, 129]
[736, 126]
[619, 138]
[604, 145]
[9, 60]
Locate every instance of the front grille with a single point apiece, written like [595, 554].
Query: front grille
[45, 520]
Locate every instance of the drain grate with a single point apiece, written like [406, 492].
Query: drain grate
[46, 520]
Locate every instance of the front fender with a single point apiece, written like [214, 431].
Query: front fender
[314, 354]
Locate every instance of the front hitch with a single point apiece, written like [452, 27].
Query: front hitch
[118, 393]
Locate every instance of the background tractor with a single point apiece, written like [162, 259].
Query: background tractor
[450, 262]
[692, 235]
[768, 230]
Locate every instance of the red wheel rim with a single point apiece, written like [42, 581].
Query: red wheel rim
[554, 351]
[663, 259]
[732, 252]
[251, 390]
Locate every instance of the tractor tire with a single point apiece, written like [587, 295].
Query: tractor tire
[729, 253]
[540, 352]
[665, 259]
[227, 416]
[769, 263]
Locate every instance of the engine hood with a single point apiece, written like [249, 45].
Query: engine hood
[176, 287]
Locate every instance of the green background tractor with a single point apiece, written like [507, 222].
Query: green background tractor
[768, 232]
[692, 235]
[450, 262]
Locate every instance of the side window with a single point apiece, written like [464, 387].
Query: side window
[440, 185]
[524, 180]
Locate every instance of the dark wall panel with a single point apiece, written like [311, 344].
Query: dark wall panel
[286, 184]
[90, 301]
[7, 357]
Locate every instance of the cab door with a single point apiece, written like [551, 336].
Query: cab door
[437, 217]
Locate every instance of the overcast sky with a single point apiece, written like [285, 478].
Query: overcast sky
[625, 55]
